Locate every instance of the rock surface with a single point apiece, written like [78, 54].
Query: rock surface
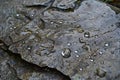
[12, 67]
[83, 44]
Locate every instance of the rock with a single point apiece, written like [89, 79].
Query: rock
[12, 67]
[6, 71]
[61, 4]
[41, 41]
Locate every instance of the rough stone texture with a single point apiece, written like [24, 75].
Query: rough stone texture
[12, 67]
[91, 33]
[61, 4]
[6, 71]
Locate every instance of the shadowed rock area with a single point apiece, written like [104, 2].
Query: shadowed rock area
[59, 40]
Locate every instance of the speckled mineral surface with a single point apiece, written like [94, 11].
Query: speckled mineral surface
[66, 39]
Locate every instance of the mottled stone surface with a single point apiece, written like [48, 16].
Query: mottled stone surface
[6, 71]
[12, 67]
[61, 4]
[82, 44]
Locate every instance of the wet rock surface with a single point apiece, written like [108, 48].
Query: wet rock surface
[60, 37]
[14, 68]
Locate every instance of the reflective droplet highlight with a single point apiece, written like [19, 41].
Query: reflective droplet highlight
[28, 48]
[81, 69]
[51, 22]
[87, 34]
[101, 52]
[32, 15]
[66, 53]
[77, 56]
[17, 15]
[69, 44]
[37, 32]
[91, 60]
[106, 44]
[76, 51]
[61, 22]
[81, 40]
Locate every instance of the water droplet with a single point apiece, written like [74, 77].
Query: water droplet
[32, 15]
[87, 34]
[86, 47]
[81, 69]
[100, 52]
[66, 53]
[28, 48]
[106, 44]
[51, 22]
[11, 28]
[76, 51]
[17, 15]
[81, 40]
[77, 56]
[91, 60]
[37, 32]
[14, 27]
[61, 22]
[69, 44]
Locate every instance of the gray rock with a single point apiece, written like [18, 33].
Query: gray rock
[12, 67]
[61, 4]
[41, 41]
[6, 71]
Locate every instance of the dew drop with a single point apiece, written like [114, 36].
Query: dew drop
[87, 34]
[32, 15]
[100, 52]
[106, 44]
[76, 51]
[66, 53]
[91, 60]
[17, 15]
[81, 40]
[28, 48]
[51, 22]
[81, 69]
[11, 28]
[37, 32]
[77, 56]
[60, 22]
[69, 44]
[86, 47]
[14, 27]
